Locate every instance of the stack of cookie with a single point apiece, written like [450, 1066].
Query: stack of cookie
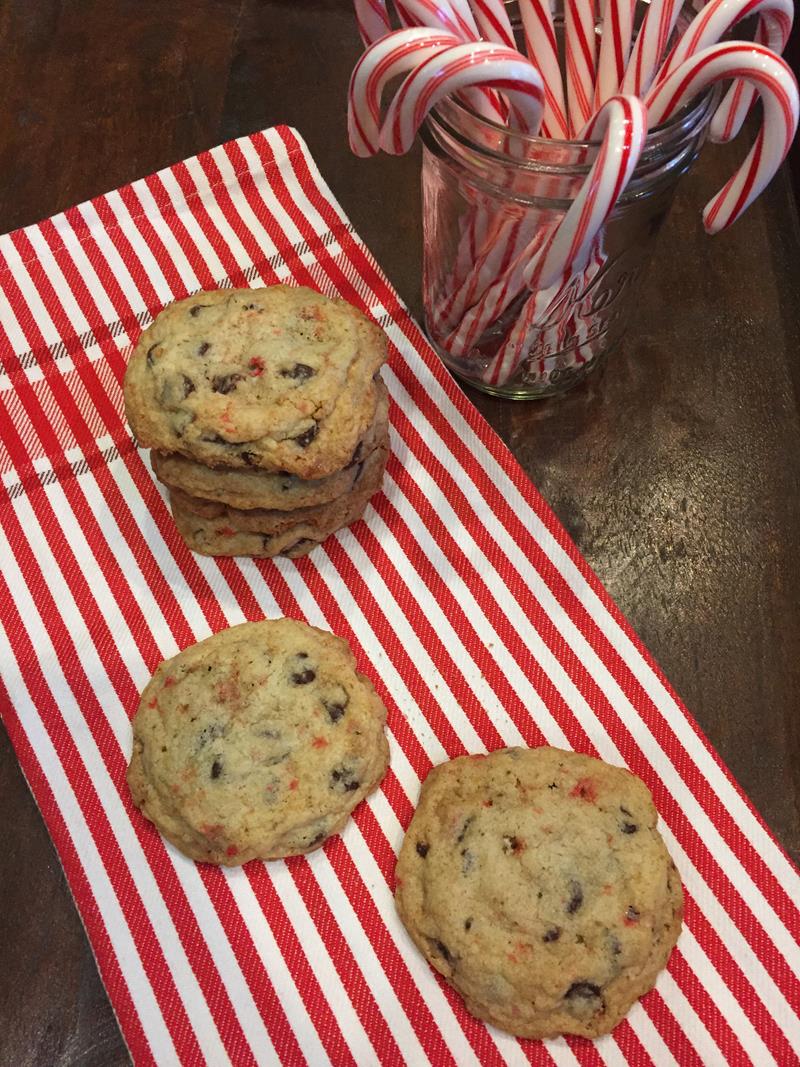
[267, 417]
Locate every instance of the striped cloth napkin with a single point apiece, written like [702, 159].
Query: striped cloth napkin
[463, 598]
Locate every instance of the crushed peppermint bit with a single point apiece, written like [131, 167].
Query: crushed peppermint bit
[585, 789]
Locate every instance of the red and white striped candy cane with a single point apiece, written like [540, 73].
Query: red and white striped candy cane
[622, 122]
[711, 24]
[394, 54]
[729, 117]
[650, 45]
[542, 49]
[777, 87]
[454, 16]
[580, 55]
[709, 27]
[615, 46]
[493, 22]
[458, 68]
[373, 20]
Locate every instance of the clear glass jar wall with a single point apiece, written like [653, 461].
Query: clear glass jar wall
[489, 196]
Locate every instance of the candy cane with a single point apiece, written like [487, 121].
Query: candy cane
[719, 16]
[372, 19]
[622, 122]
[580, 53]
[650, 45]
[454, 16]
[457, 68]
[615, 46]
[493, 22]
[436, 14]
[540, 44]
[729, 117]
[710, 26]
[393, 54]
[776, 85]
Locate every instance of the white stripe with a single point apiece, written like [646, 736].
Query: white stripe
[226, 231]
[194, 231]
[319, 960]
[241, 998]
[140, 248]
[173, 248]
[103, 896]
[163, 927]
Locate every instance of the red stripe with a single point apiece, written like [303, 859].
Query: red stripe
[50, 807]
[280, 1031]
[76, 772]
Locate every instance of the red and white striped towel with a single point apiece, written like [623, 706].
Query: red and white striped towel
[463, 598]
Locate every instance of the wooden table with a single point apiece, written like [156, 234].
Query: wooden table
[677, 471]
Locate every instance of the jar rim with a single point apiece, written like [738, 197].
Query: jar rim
[683, 123]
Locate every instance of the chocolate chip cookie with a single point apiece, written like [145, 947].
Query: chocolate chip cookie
[257, 743]
[279, 379]
[213, 529]
[536, 882]
[253, 488]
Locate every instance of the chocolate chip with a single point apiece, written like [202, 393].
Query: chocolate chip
[307, 436]
[552, 934]
[216, 768]
[632, 915]
[203, 348]
[468, 822]
[553, 785]
[423, 848]
[343, 779]
[582, 991]
[626, 826]
[188, 386]
[150, 351]
[511, 844]
[296, 546]
[468, 924]
[614, 944]
[249, 307]
[298, 371]
[335, 711]
[280, 758]
[444, 952]
[575, 897]
[304, 677]
[356, 455]
[316, 840]
[196, 309]
[225, 383]
[467, 861]
[249, 457]
[213, 439]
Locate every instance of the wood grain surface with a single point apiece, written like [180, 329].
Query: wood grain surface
[676, 471]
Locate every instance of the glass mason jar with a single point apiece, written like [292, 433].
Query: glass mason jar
[488, 197]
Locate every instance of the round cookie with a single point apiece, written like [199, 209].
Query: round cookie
[325, 517]
[257, 743]
[536, 882]
[252, 488]
[213, 529]
[280, 379]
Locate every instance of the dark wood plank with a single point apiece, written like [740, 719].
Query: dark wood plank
[676, 470]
